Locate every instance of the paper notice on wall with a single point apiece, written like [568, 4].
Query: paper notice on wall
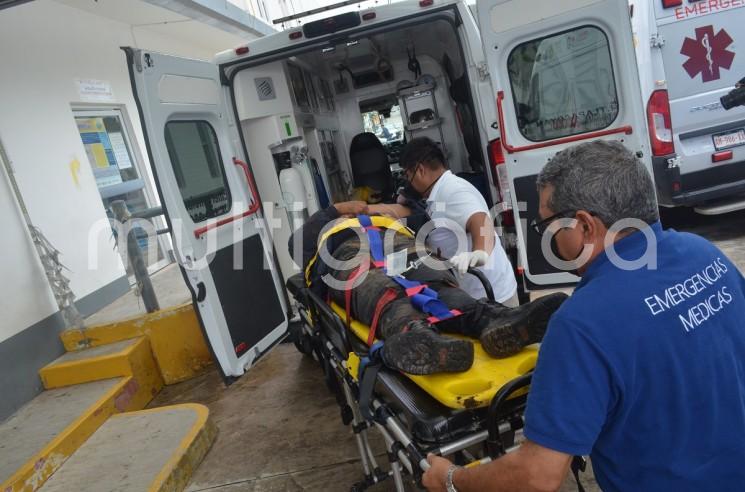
[98, 152]
[93, 90]
[120, 150]
[107, 177]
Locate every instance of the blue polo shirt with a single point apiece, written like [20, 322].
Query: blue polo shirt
[644, 369]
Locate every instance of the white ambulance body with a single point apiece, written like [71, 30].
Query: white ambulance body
[690, 54]
[502, 91]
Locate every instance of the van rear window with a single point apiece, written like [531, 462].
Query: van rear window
[195, 157]
[563, 84]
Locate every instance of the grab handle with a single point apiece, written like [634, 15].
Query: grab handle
[252, 209]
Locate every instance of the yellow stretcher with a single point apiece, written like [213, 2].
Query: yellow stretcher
[473, 415]
[473, 388]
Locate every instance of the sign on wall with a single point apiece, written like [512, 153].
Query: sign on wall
[92, 90]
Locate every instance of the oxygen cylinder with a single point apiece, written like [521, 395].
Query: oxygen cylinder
[293, 196]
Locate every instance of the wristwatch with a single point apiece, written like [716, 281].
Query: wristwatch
[449, 480]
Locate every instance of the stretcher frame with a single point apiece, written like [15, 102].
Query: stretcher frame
[323, 335]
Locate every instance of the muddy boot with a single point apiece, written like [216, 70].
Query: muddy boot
[513, 328]
[421, 350]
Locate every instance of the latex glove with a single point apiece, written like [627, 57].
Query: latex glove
[463, 261]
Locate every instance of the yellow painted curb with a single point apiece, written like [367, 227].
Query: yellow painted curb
[125, 396]
[134, 360]
[191, 451]
[175, 336]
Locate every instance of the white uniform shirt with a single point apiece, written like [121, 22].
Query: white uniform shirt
[451, 203]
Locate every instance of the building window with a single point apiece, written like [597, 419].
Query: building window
[119, 176]
[108, 149]
[563, 84]
[195, 158]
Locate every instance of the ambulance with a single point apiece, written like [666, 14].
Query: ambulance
[245, 147]
[690, 55]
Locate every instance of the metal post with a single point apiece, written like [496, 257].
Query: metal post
[134, 254]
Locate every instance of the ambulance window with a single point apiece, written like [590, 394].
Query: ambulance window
[563, 84]
[195, 158]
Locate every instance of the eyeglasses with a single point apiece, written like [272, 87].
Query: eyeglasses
[540, 226]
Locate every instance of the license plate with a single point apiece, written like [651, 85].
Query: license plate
[730, 139]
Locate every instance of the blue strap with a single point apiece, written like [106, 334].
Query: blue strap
[374, 354]
[426, 300]
[374, 239]
[365, 220]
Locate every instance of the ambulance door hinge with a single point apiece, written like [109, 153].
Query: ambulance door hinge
[483, 69]
[657, 40]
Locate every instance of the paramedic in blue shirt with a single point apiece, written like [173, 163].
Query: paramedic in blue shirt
[642, 368]
[456, 208]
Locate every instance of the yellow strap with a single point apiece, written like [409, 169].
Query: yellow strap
[376, 220]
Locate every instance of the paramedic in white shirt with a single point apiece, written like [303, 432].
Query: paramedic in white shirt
[463, 208]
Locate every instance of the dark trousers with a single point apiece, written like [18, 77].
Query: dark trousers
[397, 314]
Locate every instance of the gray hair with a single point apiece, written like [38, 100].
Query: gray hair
[602, 177]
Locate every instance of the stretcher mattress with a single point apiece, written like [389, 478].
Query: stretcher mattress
[473, 388]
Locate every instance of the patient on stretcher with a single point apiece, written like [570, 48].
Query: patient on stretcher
[413, 340]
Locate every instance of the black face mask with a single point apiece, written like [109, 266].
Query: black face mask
[409, 192]
[555, 251]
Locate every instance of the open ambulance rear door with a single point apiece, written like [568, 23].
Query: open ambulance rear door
[564, 71]
[221, 240]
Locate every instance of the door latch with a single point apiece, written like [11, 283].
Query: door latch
[483, 69]
[201, 292]
[657, 40]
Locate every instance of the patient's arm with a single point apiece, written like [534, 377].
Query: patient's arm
[349, 209]
[395, 210]
[531, 468]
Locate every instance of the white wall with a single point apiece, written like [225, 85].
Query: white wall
[46, 46]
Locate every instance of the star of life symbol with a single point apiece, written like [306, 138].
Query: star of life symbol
[708, 53]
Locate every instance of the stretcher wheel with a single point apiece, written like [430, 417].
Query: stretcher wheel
[303, 345]
[301, 341]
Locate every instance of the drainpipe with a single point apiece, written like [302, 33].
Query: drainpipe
[47, 254]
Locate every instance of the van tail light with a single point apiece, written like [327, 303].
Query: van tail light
[497, 163]
[660, 124]
[671, 3]
[368, 16]
[426, 3]
[296, 35]
[241, 50]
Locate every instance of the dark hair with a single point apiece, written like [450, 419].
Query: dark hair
[603, 177]
[422, 150]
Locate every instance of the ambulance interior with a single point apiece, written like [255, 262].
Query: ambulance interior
[328, 125]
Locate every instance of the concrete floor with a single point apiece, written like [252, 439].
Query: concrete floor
[726, 231]
[279, 430]
[170, 290]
